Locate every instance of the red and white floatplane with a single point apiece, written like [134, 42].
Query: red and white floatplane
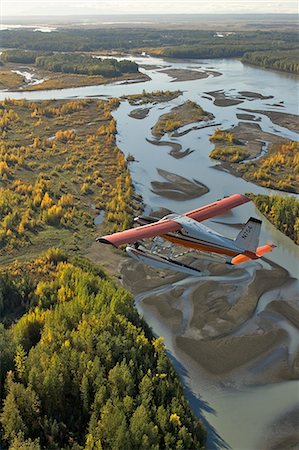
[186, 230]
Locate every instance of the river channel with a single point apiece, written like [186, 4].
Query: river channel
[248, 407]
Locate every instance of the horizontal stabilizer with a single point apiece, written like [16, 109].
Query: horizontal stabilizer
[248, 238]
[261, 251]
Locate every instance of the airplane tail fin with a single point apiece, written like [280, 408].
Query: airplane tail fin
[248, 238]
[261, 251]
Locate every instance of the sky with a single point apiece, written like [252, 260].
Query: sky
[99, 7]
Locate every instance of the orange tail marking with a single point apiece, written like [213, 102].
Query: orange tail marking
[261, 251]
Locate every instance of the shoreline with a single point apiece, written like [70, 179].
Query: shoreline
[45, 80]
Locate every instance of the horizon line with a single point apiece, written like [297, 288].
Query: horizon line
[163, 13]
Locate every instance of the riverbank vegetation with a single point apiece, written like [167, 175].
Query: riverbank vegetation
[85, 64]
[81, 368]
[188, 112]
[283, 212]
[71, 63]
[59, 166]
[285, 60]
[277, 169]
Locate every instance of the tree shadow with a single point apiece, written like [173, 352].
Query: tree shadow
[199, 407]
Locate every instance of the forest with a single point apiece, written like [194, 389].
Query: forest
[168, 43]
[283, 212]
[128, 38]
[286, 60]
[71, 63]
[80, 368]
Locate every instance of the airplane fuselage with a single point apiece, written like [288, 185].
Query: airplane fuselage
[199, 237]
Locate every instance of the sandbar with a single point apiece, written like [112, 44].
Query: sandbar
[248, 117]
[177, 187]
[286, 120]
[176, 148]
[255, 95]
[222, 99]
[139, 113]
[188, 74]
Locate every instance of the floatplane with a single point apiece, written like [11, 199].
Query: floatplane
[186, 230]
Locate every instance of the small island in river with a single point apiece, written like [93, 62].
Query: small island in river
[151, 97]
[177, 187]
[188, 75]
[188, 112]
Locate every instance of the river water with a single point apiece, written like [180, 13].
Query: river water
[240, 417]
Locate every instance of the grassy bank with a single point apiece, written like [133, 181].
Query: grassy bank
[59, 167]
[227, 147]
[10, 80]
[278, 169]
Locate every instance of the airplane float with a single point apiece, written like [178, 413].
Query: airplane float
[186, 230]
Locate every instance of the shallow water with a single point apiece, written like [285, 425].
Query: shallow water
[238, 418]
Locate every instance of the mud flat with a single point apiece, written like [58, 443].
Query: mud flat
[252, 135]
[255, 95]
[139, 113]
[284, 432]
[287, 310]
[222, 99]
[216, 356]
[248, 117]
[177, 187]
[206, 324]
[176, 148]
[286, 120]
[188, 74]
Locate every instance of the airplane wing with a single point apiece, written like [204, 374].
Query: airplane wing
[164, 226]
